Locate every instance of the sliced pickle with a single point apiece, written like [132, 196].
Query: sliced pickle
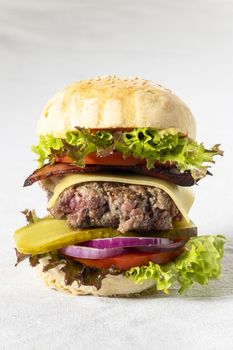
[50, 234]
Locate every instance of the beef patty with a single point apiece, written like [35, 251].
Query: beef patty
[122, 206]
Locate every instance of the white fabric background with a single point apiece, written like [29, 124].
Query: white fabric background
[44, 45]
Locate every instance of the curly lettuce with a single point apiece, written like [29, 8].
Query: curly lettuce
[165, 146]
[200, 262]
[47, 145]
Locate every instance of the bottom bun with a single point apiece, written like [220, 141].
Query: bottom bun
[118, 285]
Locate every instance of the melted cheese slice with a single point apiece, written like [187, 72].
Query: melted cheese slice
[182, 196]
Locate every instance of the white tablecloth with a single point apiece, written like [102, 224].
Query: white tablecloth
[45, 45]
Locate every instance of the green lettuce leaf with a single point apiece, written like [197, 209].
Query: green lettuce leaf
[155, 146]
[200, 262]
[47, 145]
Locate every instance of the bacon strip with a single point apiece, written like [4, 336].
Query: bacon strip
[167, 173]
[58, 169]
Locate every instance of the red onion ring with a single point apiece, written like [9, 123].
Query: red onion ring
[130, 242]
[77, 251]
[109, 247]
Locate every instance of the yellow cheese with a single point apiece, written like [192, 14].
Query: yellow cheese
[182, 196]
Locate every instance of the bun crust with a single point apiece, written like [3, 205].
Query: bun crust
[111, 102]
[111, 285]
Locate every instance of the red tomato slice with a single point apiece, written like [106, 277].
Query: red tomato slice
[93, 131]
[63, 159]
[126, 261]
[113, 159]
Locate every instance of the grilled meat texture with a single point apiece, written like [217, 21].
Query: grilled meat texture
[121, 206]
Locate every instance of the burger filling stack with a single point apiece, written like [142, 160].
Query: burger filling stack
[117, 159]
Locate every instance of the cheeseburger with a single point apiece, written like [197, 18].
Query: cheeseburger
[117, 159]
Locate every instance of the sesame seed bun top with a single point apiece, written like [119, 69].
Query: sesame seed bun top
[111, 102]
